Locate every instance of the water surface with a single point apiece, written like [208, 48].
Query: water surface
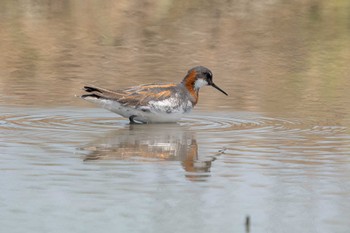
[276, 149]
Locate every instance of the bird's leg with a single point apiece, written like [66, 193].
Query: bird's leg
[131, 119]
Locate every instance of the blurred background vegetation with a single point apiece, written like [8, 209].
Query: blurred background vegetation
[271, 56]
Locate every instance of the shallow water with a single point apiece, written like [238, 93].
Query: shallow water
[277, 149]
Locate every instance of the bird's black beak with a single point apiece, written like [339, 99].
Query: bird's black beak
[213, 85]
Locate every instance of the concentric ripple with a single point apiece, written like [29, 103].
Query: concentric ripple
[235, 121]
[66, 119]
[92, 120]
[57, 120]
[227, 122]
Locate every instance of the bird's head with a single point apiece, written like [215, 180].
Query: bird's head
[200, 76]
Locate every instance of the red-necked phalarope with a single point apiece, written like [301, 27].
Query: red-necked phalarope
[151, 103]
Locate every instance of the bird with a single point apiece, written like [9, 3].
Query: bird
[153, 103]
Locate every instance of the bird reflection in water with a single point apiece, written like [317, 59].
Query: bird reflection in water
[167, 142]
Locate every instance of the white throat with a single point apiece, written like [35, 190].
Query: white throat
[200, 83]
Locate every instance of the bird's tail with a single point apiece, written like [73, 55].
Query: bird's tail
[103, 97]
[94, 93]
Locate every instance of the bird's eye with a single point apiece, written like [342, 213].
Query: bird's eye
[208, 75]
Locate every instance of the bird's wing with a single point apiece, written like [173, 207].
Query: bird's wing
[134, 96]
